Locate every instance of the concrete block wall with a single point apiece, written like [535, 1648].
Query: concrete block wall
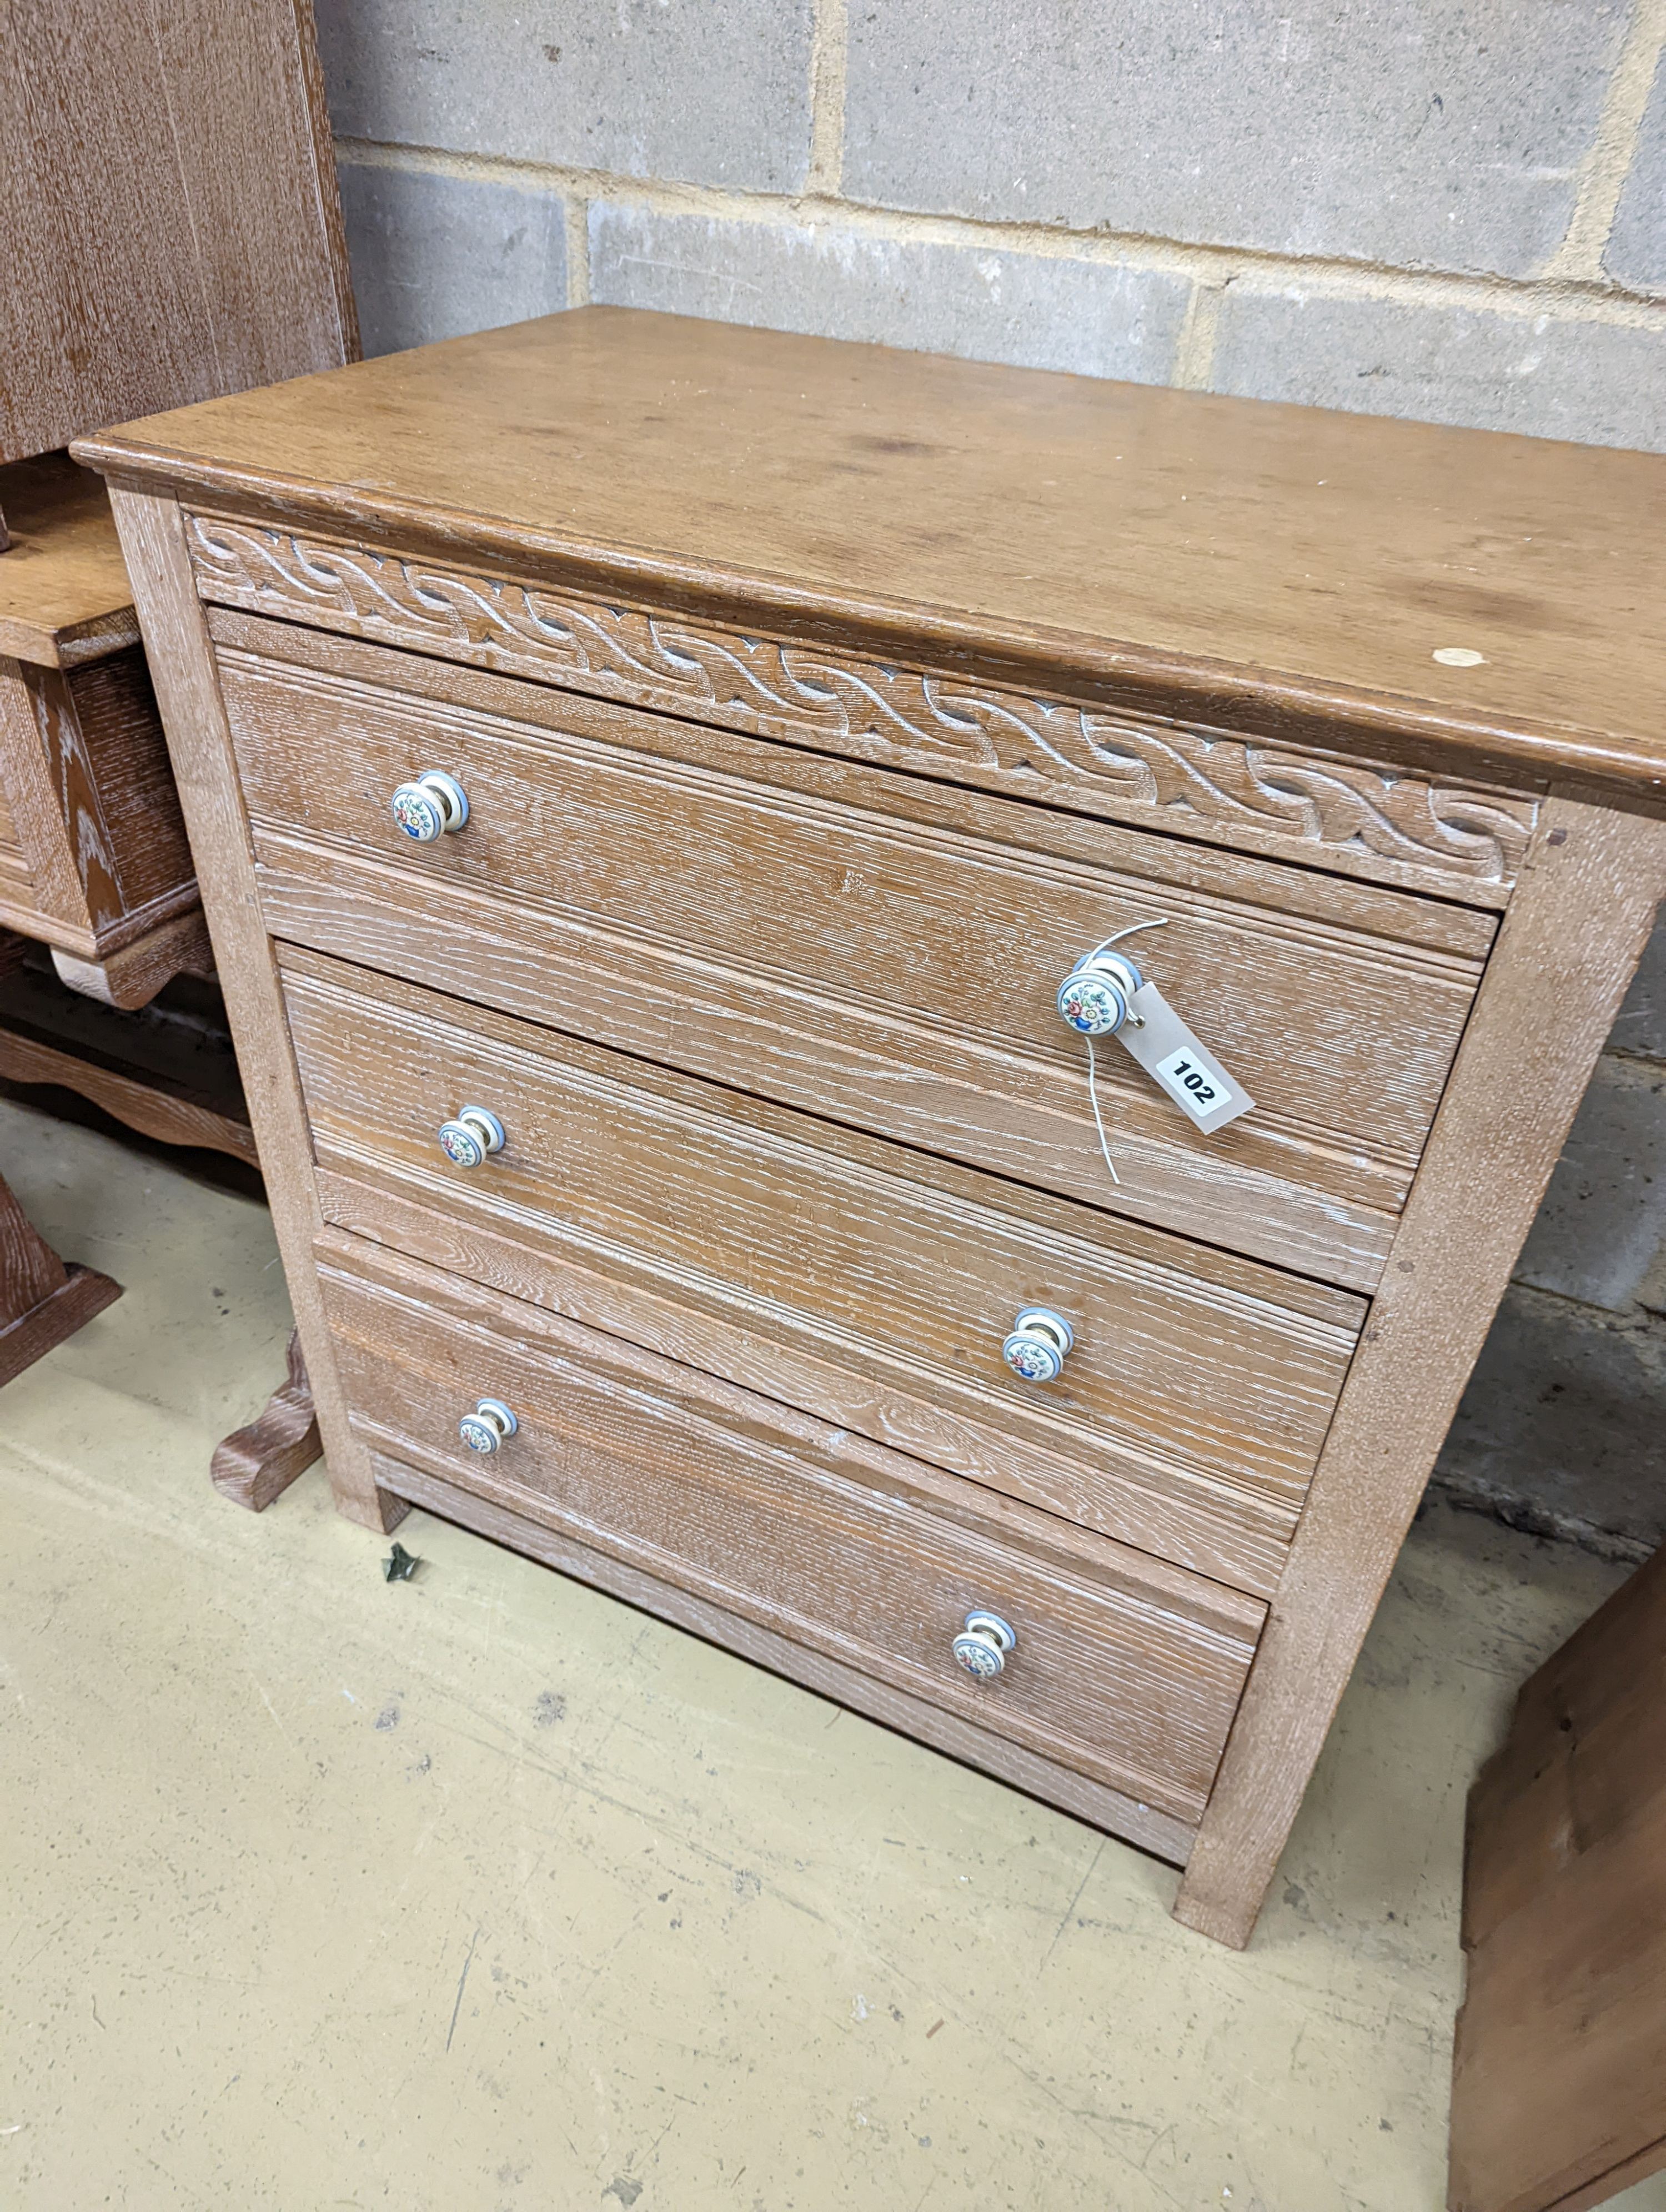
[1454, 209]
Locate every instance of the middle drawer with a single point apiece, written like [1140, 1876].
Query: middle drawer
[869, 1283]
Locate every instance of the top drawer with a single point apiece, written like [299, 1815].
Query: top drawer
[857, 942]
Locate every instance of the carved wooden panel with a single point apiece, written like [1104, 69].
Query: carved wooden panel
[1360, 819]
[75, 786]
[100, 858]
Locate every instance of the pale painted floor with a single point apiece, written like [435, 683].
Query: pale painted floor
[483, 1893]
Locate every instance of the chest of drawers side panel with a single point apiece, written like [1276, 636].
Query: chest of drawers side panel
[205, 769]
[1572, 941]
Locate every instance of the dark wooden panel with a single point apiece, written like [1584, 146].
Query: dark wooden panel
[42, 1300]
[125, 756]
[1558, 2092]
[12, 862]
[1124, 1670]
[164, 205]
[84, 763]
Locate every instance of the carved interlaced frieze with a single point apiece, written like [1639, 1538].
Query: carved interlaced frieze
[1126, 765]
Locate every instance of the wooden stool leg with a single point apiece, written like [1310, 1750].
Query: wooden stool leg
[42, 1300]
[255, 1464]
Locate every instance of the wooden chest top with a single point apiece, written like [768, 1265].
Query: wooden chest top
[1285, 571]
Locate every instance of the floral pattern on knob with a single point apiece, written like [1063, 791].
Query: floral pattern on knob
[1036, 1349]
[430, 806]
[1092, 1005]
[982, 1645]
[485, 1430]
[418, 815]
[470, 1136]
[1036, 1362]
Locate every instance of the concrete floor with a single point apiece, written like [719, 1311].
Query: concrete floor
[483, 1893]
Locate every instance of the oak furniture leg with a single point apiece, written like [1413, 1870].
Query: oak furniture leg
[42, 1299]
[199, 740]
[257, 1464]
[1572, 937]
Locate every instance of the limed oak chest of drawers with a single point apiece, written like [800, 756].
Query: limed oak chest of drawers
[650, 781]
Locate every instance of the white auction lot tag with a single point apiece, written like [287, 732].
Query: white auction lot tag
[1174, 1058]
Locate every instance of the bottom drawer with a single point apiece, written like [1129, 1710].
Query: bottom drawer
[1125, 1669]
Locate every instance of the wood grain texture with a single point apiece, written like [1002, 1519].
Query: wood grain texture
[64, 596]
[91, 803]
[56, 903]
[131, 976]
[102, 733]
[1559, 2090]
[932, 1091]
[14, 868]
[1122, 1670]
[1212, 1370]
[29, 1268]
[858, 945]
[74, 789]
[971, 1745]
[1557, 2098]
[166, 210]
[42, 1300]
[182, 665]
[1573, 934]
[1225, 1533]
[138, 1100]
[1277, 571]
[855, 680]
[1365, 819]
[1585, 1752]
[256, 1464]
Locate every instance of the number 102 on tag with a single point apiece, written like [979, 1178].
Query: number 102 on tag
[1192, 1084]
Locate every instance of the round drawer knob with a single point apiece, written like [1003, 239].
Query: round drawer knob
[485, 1428]
[1039, 1341]
[427, 808]
[982, 1645]
[468, 1140]
[1094, 996]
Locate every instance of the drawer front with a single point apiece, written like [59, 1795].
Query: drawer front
[1191, 1370]
[1122, 1670]
[859, 944]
